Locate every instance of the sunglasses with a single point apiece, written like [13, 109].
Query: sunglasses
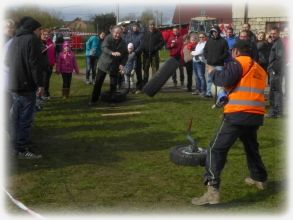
[200, 37]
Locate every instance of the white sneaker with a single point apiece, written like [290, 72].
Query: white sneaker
[28, 155]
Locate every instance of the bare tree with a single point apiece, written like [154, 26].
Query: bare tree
[146, 16]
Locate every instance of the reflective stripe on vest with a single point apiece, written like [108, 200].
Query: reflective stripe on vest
[248, 103]
[249, 89]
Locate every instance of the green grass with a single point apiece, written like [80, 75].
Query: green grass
[80, 57]
[95, 164]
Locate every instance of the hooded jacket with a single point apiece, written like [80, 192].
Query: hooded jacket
[216, 50]
[24, 59]
[66, 62]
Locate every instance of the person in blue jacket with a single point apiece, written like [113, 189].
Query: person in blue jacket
[92, 53]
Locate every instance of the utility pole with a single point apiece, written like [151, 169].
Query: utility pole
[117, 13]
[179, 16]
[246, 13]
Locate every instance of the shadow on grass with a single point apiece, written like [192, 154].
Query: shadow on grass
[78, 145]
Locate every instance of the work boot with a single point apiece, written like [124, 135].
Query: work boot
[259, 185]
[212, 196]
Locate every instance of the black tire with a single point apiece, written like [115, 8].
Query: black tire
[161, 77]
[182, 155]
[118, 96]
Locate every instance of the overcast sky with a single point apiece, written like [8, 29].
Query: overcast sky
[86, 10]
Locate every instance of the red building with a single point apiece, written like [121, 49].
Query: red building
[183, 12]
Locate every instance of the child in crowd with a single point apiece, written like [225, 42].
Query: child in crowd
[129, 68]
[65, 65]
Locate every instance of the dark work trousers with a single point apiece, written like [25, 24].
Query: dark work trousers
[138, 72]
[100, 78]
[189, 69]
[47, 81]
[66, 80]
[150, 61]
[219, 147]
[174, 76]
[276, 94]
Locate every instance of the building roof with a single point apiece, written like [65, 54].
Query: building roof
[184, 12]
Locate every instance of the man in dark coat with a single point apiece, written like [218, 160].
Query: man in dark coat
[25, 82]
[152, 42]
[276, 72]
[112, 60]
[135, 37]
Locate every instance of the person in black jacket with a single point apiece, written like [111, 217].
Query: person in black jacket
[152, 42]
[135, 37]
[26, 81]
[244, 35]
[113, 59]
[216, 51]
[276, 68]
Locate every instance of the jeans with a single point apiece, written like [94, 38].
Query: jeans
[199, 73]
[276, 93]
[188, 67]
[150, 60]
[210, 82]
[21, 118]
[91, 65]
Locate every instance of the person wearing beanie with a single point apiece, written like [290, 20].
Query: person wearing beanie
[244, 82]
[129, 68]
[25, 83]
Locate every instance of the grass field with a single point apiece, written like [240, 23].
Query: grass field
[95, 165]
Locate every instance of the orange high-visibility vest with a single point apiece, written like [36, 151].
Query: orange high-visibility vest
[248, 95]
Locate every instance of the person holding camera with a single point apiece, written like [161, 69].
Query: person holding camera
[244, 81]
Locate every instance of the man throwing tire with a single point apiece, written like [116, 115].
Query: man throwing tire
[244, 81]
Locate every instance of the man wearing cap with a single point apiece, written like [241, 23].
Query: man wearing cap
[244, 81]
[26, 81]
[152, 42]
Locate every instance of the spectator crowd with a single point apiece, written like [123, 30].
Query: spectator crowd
[33, 53]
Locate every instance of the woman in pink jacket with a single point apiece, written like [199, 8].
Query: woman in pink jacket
[65, 65]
